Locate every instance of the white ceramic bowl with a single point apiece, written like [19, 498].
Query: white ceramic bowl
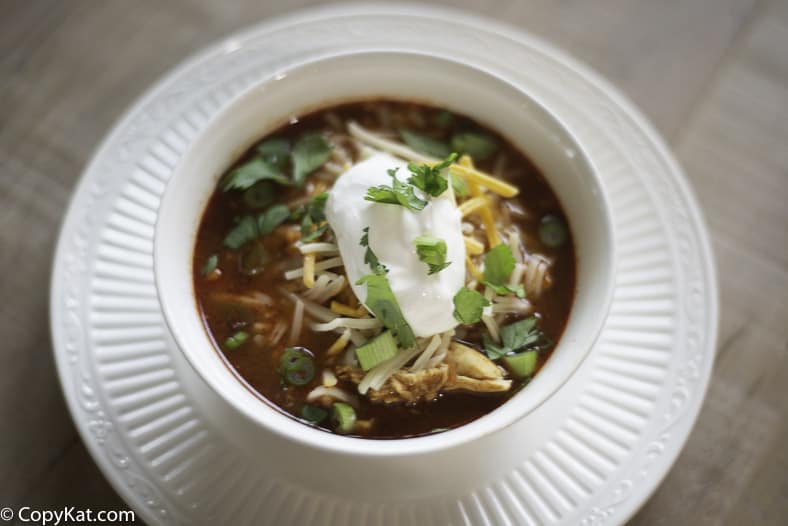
[490, 100]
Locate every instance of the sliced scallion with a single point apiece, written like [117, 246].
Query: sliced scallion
[521, 365]
[552, 231]
[313, 414]
[301, 372]
[344, 418]
[377, 351]
[236, 340]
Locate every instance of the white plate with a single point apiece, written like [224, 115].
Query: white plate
[593, 452]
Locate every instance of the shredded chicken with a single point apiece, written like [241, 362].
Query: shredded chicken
[464, 369]
[470, 362]
[402, 386]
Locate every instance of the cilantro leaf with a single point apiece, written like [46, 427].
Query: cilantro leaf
[425, 144]
[309, 154]
[428, 178]
[524, 335]
[244, 231]
[432, 251]
[251, 227]
[275, 152]
[251, 172]
[493, 351]
[398, 193]
[503, 290]
[517, 337]
[479, 146]
[383, 304]
[311, 235]
[274, 157]
[316, 208]
[498, 265]
[468, 305]
[369, 257]
[314, 215]
[272, 218]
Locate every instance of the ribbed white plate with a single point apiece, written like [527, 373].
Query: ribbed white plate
[178, 455]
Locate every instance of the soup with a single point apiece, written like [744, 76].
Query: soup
[384, 269]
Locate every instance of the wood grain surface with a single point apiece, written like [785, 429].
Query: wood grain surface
[711, 74]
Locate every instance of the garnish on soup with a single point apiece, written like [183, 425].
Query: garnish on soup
[384, 269]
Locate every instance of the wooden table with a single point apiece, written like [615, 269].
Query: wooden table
[711, 74]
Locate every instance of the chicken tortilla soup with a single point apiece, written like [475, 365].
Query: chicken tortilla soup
[384, 269]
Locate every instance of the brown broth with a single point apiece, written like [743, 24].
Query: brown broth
[257, 364]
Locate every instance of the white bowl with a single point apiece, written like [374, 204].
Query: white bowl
[490, 100]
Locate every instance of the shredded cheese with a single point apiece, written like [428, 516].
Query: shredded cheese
[477, 274]
[473, 247]
[309, 271]
[347, 310]
[319, 266]
[339, 345]
[472, 205]
[493, 184]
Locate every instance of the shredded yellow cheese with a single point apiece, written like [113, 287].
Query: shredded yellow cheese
[473, 247]
[489, 225]
[340, 343]
[347, 310]
[477, 274]
[309, 270]
[465, 161]
[472, 205]
[485, 211]
[494, 184]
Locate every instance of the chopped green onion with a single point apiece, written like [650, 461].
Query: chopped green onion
[259, 195]
[377, 351]
[313, 414]
[236, 340]
[210, 264]
[301, 371]
[344, 418]
[459, 185]
[552, 231]
[521, 365]
[297, 366]
[383, 304]
[290, 357]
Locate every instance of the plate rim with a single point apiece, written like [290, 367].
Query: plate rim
[455, 15]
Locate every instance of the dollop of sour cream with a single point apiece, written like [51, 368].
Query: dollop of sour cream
[426, 301]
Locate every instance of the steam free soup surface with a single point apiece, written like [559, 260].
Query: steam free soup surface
[243, 290]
